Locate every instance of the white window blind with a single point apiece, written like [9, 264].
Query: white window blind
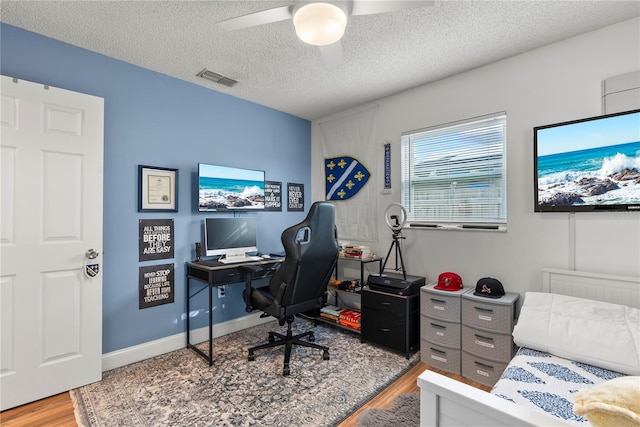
[455, 174]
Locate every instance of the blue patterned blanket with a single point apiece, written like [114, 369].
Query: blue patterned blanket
[548, 383]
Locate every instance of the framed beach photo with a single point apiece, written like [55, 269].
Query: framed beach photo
[158, 189]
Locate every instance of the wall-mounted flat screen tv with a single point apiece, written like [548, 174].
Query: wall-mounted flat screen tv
[223, 188]
[591, 164]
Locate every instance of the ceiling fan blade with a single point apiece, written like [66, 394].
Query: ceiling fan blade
[371, 7]
[332, 54]
[258, 18]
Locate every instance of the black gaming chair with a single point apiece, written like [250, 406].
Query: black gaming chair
[300, 284]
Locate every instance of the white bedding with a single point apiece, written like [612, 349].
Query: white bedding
[594, 332]
[547, 383]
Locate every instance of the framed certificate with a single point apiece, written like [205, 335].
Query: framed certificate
[158, 189]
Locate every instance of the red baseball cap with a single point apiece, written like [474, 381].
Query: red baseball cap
[449, 282]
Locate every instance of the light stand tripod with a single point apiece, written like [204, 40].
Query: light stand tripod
[397, 235]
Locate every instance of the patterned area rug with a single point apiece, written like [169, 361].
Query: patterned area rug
[404, 411]
[180, 389]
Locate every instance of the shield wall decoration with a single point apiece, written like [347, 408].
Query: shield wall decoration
[344, 177]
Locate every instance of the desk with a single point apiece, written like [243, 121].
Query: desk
[214, 274]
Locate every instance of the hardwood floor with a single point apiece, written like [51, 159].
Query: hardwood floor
[54, 411]
[405, 384]
[57, 411]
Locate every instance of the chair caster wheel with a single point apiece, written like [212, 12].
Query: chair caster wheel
[325, 355]
[286, 370]
[251, 357]
[271, 338]
[312, 338]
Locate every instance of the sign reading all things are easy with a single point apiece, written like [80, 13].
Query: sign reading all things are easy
[155, 239]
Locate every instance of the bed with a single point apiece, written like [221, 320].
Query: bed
[447, 402]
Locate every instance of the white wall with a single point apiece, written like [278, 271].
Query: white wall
[556, 83]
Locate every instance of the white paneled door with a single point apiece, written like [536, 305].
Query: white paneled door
[51, 168]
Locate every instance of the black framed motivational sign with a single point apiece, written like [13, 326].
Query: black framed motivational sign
[156, 285]
[272, 196]
[155, 239]
[295, 197]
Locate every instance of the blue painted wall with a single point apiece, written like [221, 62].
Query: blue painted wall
[153, 119]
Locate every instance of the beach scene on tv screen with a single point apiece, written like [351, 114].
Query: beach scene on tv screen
[222, 188]
[595, 162]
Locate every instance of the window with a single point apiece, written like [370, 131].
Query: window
[455, 174]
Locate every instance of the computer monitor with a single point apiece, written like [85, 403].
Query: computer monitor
[230, 236]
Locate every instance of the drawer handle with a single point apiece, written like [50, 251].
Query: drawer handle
[385, 330]
[482, 365]
[435, 350]
[438, 326]
[487, 310]
[441, 301]
[385, 303]
[480, 337]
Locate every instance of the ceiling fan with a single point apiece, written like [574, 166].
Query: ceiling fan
[321, 23]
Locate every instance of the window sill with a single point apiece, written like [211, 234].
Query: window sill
[499, 228]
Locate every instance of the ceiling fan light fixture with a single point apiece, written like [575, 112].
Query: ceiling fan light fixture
[320, 24]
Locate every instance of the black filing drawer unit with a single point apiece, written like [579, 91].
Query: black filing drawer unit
[391, 321]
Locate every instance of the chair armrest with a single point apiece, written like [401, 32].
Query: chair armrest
[249, 272]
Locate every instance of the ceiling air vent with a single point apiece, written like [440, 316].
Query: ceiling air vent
[217, 78]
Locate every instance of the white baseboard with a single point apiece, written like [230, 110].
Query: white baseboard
[136, 353]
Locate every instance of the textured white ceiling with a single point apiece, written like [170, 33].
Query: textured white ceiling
[383, 54]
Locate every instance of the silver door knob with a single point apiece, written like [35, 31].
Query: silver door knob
[92, 254]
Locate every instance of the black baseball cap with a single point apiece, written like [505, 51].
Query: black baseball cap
[489, 287]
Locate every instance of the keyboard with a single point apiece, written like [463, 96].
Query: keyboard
[240, 260]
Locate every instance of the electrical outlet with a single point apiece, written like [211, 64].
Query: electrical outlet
[221, 291]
